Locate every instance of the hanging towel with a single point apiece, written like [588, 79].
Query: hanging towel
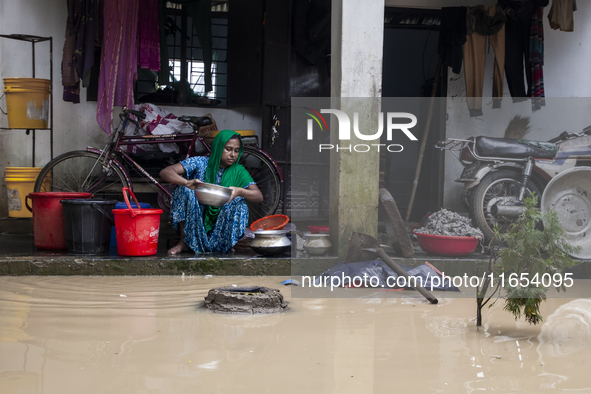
[536, 57]
[118, 59]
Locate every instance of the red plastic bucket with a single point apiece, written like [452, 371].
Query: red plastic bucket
[48, 218]
[136, 230]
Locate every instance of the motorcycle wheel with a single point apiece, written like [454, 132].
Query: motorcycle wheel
[498, 187]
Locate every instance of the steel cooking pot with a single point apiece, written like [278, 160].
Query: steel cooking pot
[270, 242]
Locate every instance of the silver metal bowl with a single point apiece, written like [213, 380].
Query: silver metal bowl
[212, 195]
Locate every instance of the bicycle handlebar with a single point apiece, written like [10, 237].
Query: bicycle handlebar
[124, 115]
[136, 113]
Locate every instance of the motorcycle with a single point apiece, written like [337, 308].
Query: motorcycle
[500, 172]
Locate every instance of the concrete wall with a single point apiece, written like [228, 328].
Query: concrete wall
[567, 82]
[566, 72]
[75, 125]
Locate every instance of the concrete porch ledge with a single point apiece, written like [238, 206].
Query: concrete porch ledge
[19, 257]
[222, 266]
[66, 265]
[204, 265]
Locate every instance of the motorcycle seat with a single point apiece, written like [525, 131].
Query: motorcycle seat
[514, 149]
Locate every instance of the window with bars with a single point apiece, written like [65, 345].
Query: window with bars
[186, 66]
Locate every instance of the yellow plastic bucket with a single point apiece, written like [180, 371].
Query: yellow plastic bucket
[20, 181]
[27, 102]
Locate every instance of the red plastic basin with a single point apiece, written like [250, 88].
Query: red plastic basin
[445, 245]
[273, 222]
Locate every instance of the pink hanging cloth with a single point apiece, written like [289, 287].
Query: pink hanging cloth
[118, 59]
[149, 36]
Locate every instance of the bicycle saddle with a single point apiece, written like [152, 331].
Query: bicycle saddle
[196, 120]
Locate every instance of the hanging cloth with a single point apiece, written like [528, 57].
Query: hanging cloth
[87, 37]
[452, 35]
[118, 59]
[235, 175]
[78, 55]
[536, 57]
[491, 21]
[70, 78]
[149, 36]
[200, 13]
[561, 15]
[517, 45]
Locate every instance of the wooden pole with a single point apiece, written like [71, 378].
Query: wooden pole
[424, 141]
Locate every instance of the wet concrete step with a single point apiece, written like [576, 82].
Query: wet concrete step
[16, 225]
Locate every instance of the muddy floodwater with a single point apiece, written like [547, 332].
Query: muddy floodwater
[152, 335]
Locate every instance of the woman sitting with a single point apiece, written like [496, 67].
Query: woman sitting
[204, 228]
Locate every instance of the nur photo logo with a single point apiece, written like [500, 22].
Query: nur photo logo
[395, 121]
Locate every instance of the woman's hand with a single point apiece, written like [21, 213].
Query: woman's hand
[174, 174]
[236, 192]
[192, 183]
[251, 193]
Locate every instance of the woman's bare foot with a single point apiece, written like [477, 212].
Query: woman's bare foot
[179, 248]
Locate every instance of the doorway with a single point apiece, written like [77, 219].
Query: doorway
[409, 67]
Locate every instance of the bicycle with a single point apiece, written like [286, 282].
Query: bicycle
[102, 171]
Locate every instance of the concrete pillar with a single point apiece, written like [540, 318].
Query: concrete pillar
[356, 72]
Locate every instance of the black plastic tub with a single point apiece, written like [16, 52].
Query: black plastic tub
[87, 224]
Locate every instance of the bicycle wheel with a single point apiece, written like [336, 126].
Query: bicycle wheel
[264, 174]
[81, 171]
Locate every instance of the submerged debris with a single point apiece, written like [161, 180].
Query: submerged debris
[244, 300]
[448, 223]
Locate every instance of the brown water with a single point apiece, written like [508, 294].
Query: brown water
[150, 335]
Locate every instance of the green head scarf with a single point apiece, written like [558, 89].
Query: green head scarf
[235, 175]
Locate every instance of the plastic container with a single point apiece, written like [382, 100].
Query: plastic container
[273, 222]
[136, 230]
[27, 102]
[87, 224]
[445, 245]
[122, 205]
[48, 218]
[20, 181]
